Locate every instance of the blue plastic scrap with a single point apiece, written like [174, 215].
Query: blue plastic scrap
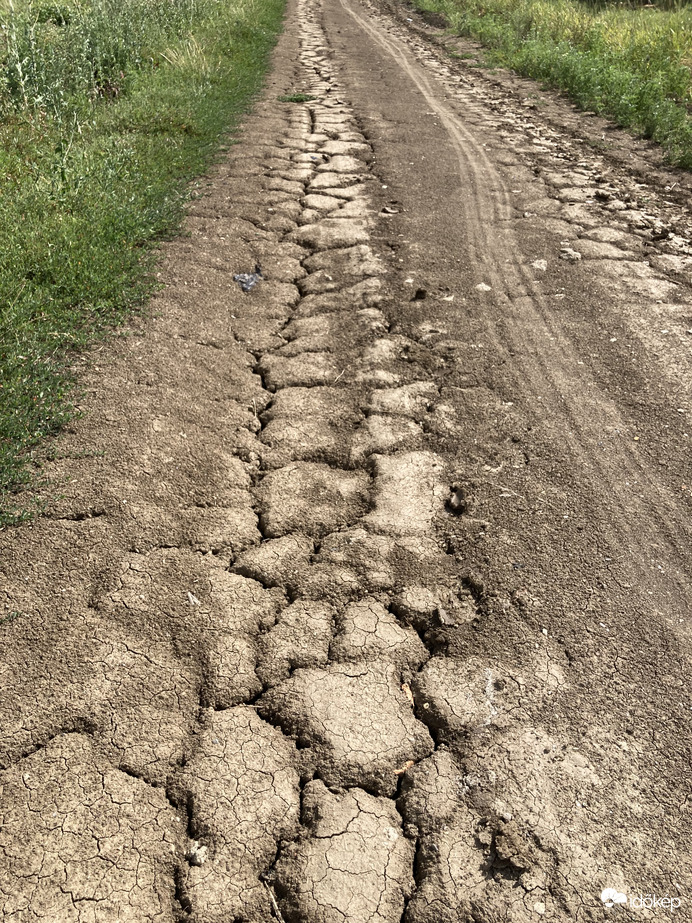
[248, 280]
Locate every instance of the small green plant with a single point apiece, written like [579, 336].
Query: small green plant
[10, 617]
[296, 98]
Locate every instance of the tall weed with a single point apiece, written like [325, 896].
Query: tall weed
[60, 55]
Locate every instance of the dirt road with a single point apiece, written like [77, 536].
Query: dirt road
[364, 595]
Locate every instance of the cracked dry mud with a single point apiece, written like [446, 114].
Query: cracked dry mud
[363, 597]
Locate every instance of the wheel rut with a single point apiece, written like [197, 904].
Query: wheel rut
[251, 670]
[529, 316]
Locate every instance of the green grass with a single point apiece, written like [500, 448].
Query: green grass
[10, 617]
[108, 110]
[296, 98]
[630, 63]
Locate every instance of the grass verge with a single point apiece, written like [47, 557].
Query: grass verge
[108, 110]
[630, 63]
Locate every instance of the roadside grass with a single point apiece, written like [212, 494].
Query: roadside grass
[631, 63]
[107, 110]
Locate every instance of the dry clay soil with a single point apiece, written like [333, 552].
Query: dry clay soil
[364, 596]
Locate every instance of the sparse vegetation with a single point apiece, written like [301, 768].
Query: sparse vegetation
[107, 109]
[10, 617]
[632, 63]
[296, 98]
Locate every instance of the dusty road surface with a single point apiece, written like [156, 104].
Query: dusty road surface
[364, 596]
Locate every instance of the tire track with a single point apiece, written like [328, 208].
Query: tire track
[530, 324]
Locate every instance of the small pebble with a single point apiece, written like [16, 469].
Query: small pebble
[197, 855]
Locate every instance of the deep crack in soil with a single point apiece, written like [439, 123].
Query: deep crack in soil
[369, 600]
